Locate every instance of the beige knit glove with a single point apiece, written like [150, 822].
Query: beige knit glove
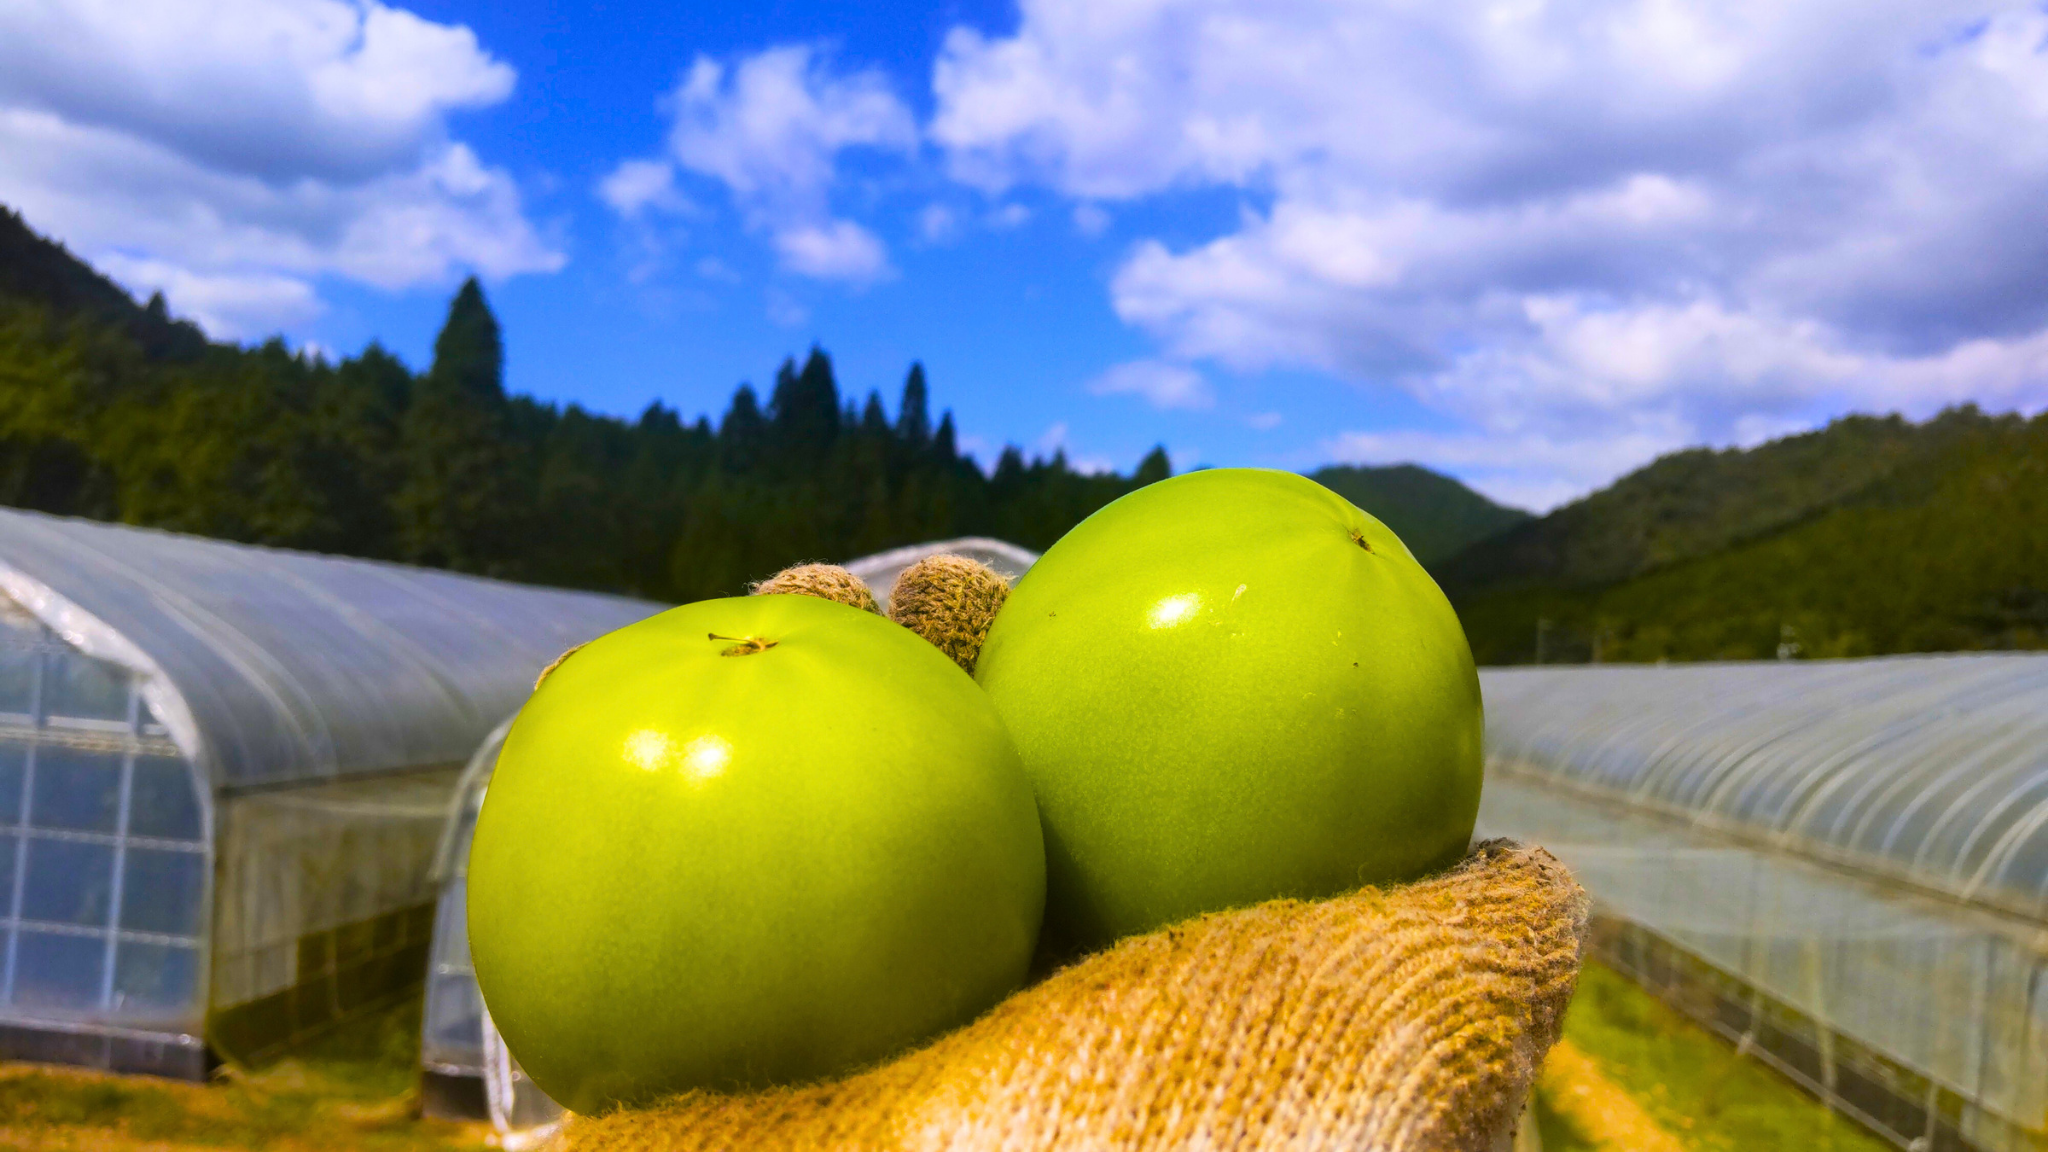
[1406, 1020]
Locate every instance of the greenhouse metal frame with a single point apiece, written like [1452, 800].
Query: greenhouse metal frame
[224, 773]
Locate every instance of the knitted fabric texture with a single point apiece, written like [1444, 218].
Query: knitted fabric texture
[950, 601]
[825, 581]
[1406, 1020]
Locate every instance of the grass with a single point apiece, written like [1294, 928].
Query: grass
[1690, 1081]
[353, 1089]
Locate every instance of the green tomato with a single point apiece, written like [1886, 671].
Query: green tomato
[1228, 687]
[725, 863]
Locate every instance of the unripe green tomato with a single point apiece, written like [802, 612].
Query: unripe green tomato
[723, 863]
[1228, 687]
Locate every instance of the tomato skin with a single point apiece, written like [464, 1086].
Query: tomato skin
[695, 869]
[1232, 686]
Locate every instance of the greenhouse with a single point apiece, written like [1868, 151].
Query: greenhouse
[1841, 866]
[465, 1069]
[224, 774]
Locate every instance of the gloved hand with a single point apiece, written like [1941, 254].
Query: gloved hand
[1409, 1019]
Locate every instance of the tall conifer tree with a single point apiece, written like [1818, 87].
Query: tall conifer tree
[462, 498]
[743, 434]
[1153, 468]
[874, 422]
[804, 413]
[913, 416]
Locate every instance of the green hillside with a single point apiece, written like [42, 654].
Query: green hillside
[116, 411]
[1697, 502]
[1870, 536]
[1433, 514]
[35, 269]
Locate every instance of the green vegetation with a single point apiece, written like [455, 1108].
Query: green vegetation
[351, 1089]
[1696, 502]
[1694, 1084]
[1553, 1132]
[1870, 536]
[1873, 535]
[111, 410]
[115, 411]
[1434, 515]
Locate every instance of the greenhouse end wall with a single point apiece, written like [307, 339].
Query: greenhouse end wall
[224, 772]
[325, 905]
[104, 865]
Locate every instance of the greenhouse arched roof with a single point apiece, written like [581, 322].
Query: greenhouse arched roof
[1932, 769]
[269, 665]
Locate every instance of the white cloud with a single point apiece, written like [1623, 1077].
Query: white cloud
[1588, 231]
[786, 310]
[1264, 421]
[836, 250]
[270, 88]
[981, 449]
[1163, 385]
[1524, 470]
[1058, 441]
[1120, 98]
[1591, 392]
[770, 127]
[1009, 216]
[636, 186]
[937, 223]
[1090, 219]
[232, 307]
[235, 158]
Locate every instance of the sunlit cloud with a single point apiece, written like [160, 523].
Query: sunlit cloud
[1578, 235]
[1161, 384]
[769, 128]
[234, 162]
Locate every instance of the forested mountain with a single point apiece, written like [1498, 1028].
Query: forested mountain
[39, 270]
[1433, 514]
[1872, 535]
[115, 411]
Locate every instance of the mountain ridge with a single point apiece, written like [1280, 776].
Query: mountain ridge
[115, 410]
[1871, 535]
[1435, 515]
[35, 268]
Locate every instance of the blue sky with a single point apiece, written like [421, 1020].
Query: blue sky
[1529, 244]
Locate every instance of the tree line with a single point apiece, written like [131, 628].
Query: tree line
[135, 418]
[1872, 535]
